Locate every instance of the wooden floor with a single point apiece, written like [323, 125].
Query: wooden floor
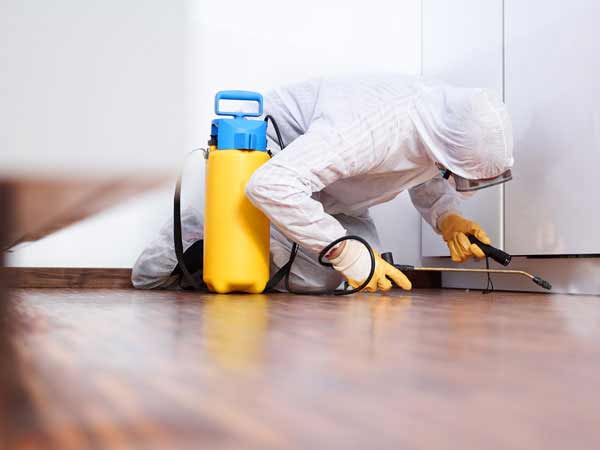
[116, 369]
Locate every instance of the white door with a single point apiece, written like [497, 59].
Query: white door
[463, 45]
[553, 92]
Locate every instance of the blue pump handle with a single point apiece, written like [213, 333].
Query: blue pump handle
[239, 95]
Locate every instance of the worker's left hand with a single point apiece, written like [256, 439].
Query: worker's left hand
[455, 230]
[354, 263]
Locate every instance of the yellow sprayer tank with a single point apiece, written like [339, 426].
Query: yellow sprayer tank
[236, 233]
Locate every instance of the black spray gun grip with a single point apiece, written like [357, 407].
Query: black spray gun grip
[495, 253]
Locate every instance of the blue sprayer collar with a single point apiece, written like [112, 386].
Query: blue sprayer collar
[239, 133]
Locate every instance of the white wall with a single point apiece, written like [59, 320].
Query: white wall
[248, 45]
[121, 86]
[91, 87]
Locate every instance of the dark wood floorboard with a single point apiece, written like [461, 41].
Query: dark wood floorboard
[116, 369]
[65, 277]
[82, 277]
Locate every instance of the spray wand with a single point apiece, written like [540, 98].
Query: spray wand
[496, 254]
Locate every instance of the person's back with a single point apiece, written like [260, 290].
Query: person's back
[339, 101]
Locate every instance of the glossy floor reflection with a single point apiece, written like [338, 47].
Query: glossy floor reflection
[431, 369]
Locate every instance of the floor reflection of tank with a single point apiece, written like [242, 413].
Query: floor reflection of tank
[235, 327]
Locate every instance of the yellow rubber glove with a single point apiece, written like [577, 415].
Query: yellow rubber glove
[354, 263]
[455, 229]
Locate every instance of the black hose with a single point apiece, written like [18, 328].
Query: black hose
[489, 288]
[270, 118]
[322, 255]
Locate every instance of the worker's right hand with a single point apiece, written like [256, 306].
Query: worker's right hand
[455, 230]
[354, 263]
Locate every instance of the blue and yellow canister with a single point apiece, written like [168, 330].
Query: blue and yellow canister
[236, 233]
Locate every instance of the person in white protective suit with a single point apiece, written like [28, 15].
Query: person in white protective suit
[353, 143]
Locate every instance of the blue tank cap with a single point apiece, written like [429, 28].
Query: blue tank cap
[239, 133]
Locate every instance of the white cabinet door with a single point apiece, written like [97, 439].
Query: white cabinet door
[463, 45]
[553, 92]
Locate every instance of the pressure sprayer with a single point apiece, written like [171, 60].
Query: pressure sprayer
[236, 233]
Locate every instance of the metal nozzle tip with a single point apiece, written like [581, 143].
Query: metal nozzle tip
[541, 282]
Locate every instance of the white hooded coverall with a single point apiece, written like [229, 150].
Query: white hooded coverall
[352, 143]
